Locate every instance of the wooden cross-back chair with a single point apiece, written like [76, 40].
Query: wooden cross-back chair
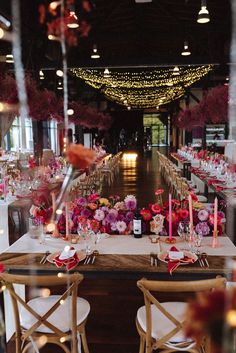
[160, 324]
[57, 318]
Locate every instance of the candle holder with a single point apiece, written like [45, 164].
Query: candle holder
[215, 240]
[170, 240]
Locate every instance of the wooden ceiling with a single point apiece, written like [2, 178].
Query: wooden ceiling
[127, 33]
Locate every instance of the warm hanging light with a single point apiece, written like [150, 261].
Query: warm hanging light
[5, 21]
[59, 86]
[186, 50]
[59, 73]
[72, 20]
[5, 35]
[9, 59]
[70, 111]
[106, 73]
[41, 75]
[54, 4]
[176, 70]
[203, 14]
[53, 37]
[129, 107]
[95, 54]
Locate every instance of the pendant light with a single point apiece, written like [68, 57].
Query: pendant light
[95, 54]
[176, 70]
[186, 50]
[106, 73]
[203, 14]
[72, 19]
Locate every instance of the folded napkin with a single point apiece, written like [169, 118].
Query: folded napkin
[67, 258]
[174, 263]
[214, 181]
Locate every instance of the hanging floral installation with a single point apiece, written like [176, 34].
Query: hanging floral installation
[51, 16]
[213, 108]
[52, 107]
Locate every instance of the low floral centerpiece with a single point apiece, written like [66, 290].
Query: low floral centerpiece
[106, 215]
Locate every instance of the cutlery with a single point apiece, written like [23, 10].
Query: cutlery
[88, 257]
[95, 253]
[204, 258]
[44, 258]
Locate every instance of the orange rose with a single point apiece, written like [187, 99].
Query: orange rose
[80, 156]
[92, 206]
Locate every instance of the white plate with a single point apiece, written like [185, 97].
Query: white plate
[80, 254]
[189, 254]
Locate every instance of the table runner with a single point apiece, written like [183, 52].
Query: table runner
[121, 244]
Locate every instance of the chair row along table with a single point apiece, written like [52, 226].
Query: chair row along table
[122, 260]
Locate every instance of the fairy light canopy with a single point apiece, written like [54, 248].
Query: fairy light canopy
[143, 87]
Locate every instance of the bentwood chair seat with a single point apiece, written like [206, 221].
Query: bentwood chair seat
[160, 324]
[58, 319]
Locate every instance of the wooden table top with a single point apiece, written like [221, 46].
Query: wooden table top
[119, 265]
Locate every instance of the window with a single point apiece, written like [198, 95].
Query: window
[20, 135]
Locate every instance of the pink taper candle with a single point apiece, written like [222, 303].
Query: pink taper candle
[67, 218]
[53, 202]
[190, 205]
[170, 217]
[215, 216]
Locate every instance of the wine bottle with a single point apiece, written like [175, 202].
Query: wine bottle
[137, 225]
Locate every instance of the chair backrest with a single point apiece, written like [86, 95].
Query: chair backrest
[70, 283]
[151, 289]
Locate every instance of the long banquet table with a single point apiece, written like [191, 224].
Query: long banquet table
[110, 283]
[119, 254]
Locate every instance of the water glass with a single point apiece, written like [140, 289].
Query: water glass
[36, 229]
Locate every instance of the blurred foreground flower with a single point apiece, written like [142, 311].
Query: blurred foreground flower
[213, 314]
[80, 156]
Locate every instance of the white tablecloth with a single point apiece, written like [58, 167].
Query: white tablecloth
[121, 244]
[114, 244]
[4, 232]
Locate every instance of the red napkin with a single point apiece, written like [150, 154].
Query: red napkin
[70, 263]
[173, 264]
[214, 181]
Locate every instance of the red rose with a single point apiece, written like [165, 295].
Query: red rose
[183, 213]
[174, 217]
[159, 192]
[146, 214]
[194, 197]
[156, 208]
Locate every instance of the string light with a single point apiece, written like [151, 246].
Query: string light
[143, 88]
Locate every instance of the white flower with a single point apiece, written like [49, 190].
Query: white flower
[119, 206]
[99, 215]
[121, 226]
[130, 198]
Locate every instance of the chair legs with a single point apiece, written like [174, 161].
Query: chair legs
[83, 337]
[142, 344]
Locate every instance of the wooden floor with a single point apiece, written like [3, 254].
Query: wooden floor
[140, 178]
[114, 302]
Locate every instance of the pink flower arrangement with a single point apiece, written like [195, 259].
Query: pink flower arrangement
[105, 215]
